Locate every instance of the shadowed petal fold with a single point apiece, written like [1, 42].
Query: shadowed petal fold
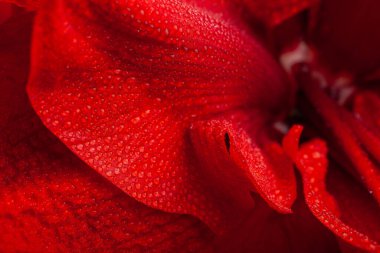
[337, 212]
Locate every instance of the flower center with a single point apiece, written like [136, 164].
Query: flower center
[324, 105]
[339, 86]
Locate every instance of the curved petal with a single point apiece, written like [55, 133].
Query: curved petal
[236, 157]
[353, 139]
[50, 201]
[359, 210]
[311, 160]
[120, 83]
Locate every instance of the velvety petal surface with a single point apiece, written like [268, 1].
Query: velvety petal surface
[121, 83]
[50, 201]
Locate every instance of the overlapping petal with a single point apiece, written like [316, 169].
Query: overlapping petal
[355, 142]
[173, 101]
[341, 214]
[121, 82]
[245, 160]
[50, 201]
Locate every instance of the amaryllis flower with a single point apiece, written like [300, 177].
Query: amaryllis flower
[174, 126]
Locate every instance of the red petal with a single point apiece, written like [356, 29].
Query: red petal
[232, 154]
[50, 201]
[275, 12]
[291, 140]
[121, 82]
[359, 209]
[348, 140]
[347, 34]
[312, 162]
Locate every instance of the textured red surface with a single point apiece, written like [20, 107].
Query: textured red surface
[227, 152]
[151, 126]
[123, 99]
[50, 201]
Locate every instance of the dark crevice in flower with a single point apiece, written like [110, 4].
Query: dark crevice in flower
[227, 142]
[342, 126]
[323, 103]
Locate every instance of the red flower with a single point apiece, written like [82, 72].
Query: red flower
[156, 126]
